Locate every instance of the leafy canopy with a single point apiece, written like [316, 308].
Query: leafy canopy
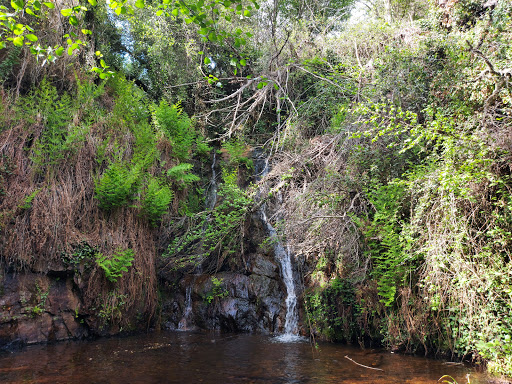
[19, 23]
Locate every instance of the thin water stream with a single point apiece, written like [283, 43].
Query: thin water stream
[186, 321]
[284, 257]
[184, 357]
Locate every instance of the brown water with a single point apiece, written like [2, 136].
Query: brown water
[182, 357]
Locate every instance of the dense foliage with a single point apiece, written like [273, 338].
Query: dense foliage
[388, 139]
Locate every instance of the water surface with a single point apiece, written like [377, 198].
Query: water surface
[182, 357]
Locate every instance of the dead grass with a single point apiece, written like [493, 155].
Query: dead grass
[64, 214]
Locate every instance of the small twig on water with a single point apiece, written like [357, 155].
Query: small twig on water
[361, 365]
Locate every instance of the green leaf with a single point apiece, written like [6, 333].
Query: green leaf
[86, 32]
[59, 51]
[70, 51]
[174, 12]
[17, 4]
[66, 12]
[2, 44]
[30, 12]
[243, 62]
[18, 41]
[212, 36]
[92, 2]
[247, 13]
[49, 5]
[73, 20]
[31, 37]
[140, 4]
[118, 11]
[207, 60]
[261, 84]
[102, 63]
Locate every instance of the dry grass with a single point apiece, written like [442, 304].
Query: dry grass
[64, 214]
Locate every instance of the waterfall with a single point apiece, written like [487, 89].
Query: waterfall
[283, 256]
[184, 325]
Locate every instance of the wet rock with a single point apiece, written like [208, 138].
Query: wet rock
[252, 301]
[36, 308]
[265, 267]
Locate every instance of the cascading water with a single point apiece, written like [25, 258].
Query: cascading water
[284, 257]
[184, 323]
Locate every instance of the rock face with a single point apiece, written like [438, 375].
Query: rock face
[230, 301]
[37, 308]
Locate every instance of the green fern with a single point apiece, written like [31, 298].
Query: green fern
[176, 127]
[117, 264]
[181, 174]
[117, 186]
[155, 200]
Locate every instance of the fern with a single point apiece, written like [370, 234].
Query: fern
[117, 264]
[176, 126]
[55, 113]
[145, 151]
[180, 173]
[155, 200]
[117, 186]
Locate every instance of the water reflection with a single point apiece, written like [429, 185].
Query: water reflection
[183, 357]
